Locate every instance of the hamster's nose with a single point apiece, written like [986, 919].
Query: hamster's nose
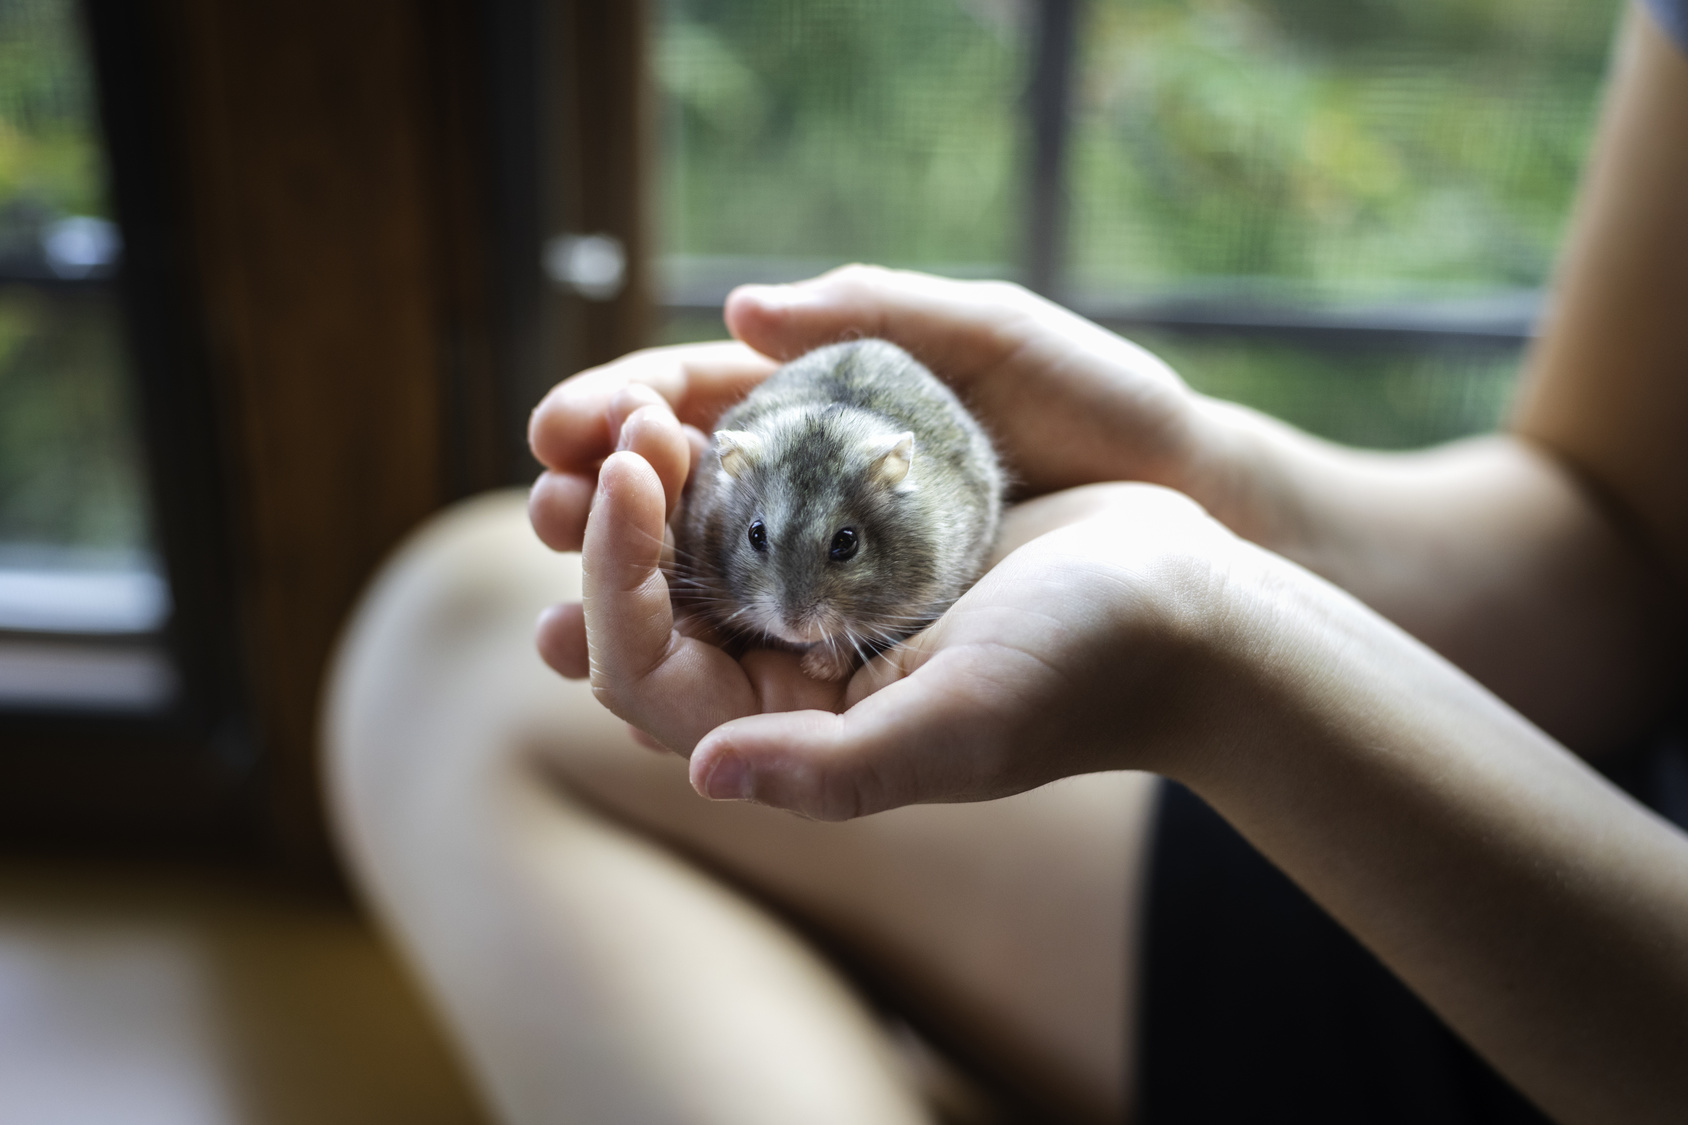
[807, 623]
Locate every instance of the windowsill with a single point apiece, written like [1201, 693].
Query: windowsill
[84, 640]
[51, 674]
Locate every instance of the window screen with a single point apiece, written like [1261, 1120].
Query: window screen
[1329, 149]
[1340, 211]
[797, 136]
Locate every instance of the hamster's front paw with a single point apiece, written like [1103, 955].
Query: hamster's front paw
[823, 662]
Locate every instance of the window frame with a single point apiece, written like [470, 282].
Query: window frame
[174, 774]
[379, 124]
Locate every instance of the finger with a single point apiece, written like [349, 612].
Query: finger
[957, 327]
[781, 685]
[673, 687]
[699, 443]
[629, 619]
[557, 507]
[558, 503]
[624, 402]
[571, 428]
[560, 636]
[942, 735]
[655, 434]
[645, 740]
[895, 663]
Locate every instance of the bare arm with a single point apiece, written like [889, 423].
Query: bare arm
[1608, 388]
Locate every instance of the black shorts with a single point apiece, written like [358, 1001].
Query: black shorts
[1257, 1006]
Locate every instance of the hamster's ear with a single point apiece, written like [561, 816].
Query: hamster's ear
[739, 451]
[892, 457]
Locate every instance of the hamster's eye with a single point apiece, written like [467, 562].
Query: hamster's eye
[844, 545]
[758, 536]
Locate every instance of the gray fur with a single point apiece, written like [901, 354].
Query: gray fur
[820, 423]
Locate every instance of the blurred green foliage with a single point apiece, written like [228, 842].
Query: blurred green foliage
[49, 149]
[1301, 150]
[1324, 145]
[70, 461]
[835, 129]
[1330, 148]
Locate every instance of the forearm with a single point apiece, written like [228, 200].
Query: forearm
[1543, 914]
[1489, 550]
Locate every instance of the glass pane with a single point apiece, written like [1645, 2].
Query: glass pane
[76, 555]
[52, 172]
[797, 136]
[1329, 148]
[70, 460]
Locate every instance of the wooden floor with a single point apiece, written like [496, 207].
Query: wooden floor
[155, 996]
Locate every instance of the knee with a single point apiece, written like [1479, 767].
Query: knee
[453, 604]
[465, 572]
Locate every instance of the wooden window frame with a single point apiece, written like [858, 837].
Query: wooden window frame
[338, 322]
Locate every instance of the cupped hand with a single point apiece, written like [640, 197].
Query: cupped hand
[1077, 651]
[1067, 401]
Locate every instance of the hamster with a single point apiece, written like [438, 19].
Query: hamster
[842, 506]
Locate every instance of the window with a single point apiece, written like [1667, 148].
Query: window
[81, 590]
[1341, 212]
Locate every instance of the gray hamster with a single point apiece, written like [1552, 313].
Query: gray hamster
[844, 505]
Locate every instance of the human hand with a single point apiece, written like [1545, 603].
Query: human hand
[1077, 651]
[1067, 401]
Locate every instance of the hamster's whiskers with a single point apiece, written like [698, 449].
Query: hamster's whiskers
[864, 654]
[729, 622]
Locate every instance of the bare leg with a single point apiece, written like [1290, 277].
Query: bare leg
[592, 974]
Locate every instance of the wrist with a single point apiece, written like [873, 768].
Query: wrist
[1269, 657]
[1240, 470]
[1206, 651]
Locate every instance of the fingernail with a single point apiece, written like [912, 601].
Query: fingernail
[776, 296]
[728, 780]
[624, 440]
